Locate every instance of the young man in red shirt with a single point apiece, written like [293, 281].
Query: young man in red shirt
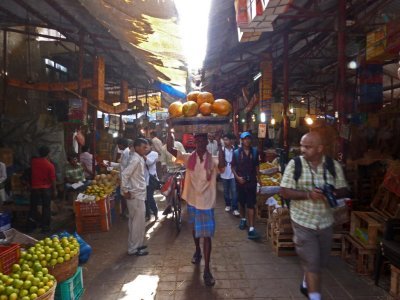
[43, 188]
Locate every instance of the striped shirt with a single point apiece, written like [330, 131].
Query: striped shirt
[309, 213]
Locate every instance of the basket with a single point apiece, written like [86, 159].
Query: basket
[199, 124]
[90, 224]
[72, 288]
[65, 270]
[49, 295]
[97, 208]
[9, 255]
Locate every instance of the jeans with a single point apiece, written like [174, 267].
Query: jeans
[230, 194]
[43, 197]
[151, 205]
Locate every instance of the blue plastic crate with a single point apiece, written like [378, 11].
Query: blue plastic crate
[5, 221]
[72, 288]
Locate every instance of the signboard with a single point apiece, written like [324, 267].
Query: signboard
[262, 131]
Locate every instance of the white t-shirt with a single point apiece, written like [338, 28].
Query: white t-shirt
[228, 174]
[151, 159]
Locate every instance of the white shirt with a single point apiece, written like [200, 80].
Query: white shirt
[86, 159]
[151, 160]
[125, 158]
[3, 172]
[133, 179]
[212, 147]
[167, 159]
[228, 174]
[157, 144]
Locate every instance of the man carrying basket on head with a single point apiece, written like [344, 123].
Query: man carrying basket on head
[200, 194]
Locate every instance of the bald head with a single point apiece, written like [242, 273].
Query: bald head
[313, 137]
[311, 147]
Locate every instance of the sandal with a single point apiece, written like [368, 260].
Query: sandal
[208, 279]
[196, 259]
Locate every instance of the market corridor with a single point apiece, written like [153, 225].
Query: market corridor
[243, 269]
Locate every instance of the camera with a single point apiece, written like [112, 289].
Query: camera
[327, 190]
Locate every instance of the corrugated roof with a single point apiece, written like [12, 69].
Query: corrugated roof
[231, 65]
[140, 39]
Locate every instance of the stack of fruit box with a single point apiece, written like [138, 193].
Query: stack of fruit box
[361, 243]
[93, 216]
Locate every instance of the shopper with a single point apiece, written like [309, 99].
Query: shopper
[310, 213]
[157, 143]
[86, 160]
[212, 145]
[245, 169]
[133, 189]
[151, 159]
[43, 188]
[124, 145]
[169, 167]
[228, 179]
[200, 194]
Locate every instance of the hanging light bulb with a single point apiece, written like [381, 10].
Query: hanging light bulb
[309, 120]
[263, 117]
[273, 121]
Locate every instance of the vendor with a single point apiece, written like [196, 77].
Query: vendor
[86, 160]
[74, 174]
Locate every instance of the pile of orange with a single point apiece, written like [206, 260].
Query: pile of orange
[200, 104]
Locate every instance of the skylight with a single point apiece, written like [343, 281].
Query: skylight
[193, 21]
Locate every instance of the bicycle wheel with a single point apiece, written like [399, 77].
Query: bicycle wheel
[177, 210]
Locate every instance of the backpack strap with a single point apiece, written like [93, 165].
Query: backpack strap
[255, 155]
[297, 168]
[330, 165]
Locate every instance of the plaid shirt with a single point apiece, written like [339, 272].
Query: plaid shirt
[76, 174]
[308, 213]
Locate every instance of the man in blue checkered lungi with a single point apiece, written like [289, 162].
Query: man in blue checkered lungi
[200, 193]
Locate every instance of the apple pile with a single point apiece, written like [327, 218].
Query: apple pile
[200, 104]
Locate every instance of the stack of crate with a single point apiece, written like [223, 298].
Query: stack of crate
[93, 216]
[367, 228]
[280, 233]
[361, 243]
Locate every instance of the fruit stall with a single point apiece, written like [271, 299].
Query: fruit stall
[44, 269]
[95, 207]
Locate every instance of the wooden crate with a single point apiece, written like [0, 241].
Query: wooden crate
[371, 223]
[394, 282]
[386, 203]
[283, 244]
[354, 252]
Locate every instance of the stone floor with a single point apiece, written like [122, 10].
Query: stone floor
[243, 269]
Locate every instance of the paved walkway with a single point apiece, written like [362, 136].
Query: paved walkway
[243, 269]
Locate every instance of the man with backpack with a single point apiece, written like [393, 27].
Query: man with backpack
[311, 182]
[245, 169]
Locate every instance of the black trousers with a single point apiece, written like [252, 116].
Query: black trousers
[151, 205]
[43, 197]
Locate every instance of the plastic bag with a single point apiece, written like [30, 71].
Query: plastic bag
[167, 186]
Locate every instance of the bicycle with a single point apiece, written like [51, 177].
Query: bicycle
[176, 198]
